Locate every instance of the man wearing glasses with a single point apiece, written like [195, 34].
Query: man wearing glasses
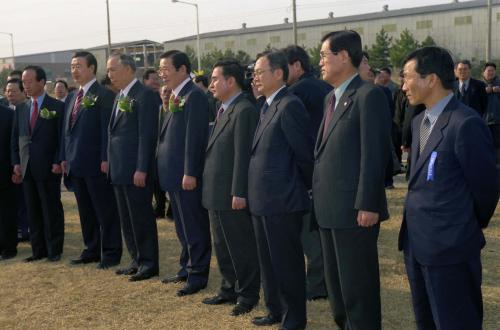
[279, 177]
[348, 183]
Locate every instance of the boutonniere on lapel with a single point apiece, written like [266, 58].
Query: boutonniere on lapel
[176, 104]
[89, 100]
[126, 104]
[47, 114]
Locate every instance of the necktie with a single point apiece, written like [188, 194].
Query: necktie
[329, 114]
[34, 115]
[76, 107]
[263, 110]
[425, 131]
[220, 112]
[462, 91]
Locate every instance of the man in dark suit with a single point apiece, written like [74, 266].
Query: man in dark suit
[279, 177]
[311, 92]
[351, 153]
[452, 195]
[15, 95]
[470, 91]
[35, 156]
[8, 198]
[225, 186]
[132, 137]
[181, 154]
[84, 157]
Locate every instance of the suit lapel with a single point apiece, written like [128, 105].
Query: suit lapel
[343, 105]
[39, 119]
[273, 108]
[131, 96]
[69, 111]
[434, 139]
[92, 90]
[168, 115]
[221, 124]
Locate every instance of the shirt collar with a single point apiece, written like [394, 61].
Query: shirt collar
[178, 89]
[339, 91]
[86, 87]
[436, 110]
[127, 89]
[39, 100]
[270, 99]
[466, 83]
[229, 101]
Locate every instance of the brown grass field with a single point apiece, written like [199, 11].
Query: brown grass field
[44, 295]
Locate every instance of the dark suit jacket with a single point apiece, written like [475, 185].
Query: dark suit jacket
[312, 92]
[42, 148]
[132, 137]
[350, 162]
[281, 162]
[183, 140]
[86, 143]
[443, 216]
[492, 114]
[6, 121]
[228, 155]
[475, 95]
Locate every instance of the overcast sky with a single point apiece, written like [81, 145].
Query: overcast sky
[50, 25]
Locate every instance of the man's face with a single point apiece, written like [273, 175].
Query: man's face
[118, 73]
[364, 70]
[32, 87]
[266, 80]
[489, 73]
[170, 75]
[80, 72]
[329, 63]
[153, 82]
[219, 85]
[383, 78]
[416, 88]
[13, 93]
[60, 91]
[462, 72]
[165, 95]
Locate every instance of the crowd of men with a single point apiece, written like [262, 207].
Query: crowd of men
[294, 166]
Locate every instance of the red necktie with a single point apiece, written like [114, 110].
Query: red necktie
[76, 107]
[34, 115]
[220, 112]
[329, 115]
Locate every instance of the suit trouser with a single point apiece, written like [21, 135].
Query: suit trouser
[45, 215]
[22, 212]
[352, 276]
[446, 297]
[8, 219]
[236, 251]
[193, 231]
[138, 225]
[282, 266]
[160, 198]
[98, 218]
[311, 243]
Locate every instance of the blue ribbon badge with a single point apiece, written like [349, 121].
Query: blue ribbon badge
[430, 169]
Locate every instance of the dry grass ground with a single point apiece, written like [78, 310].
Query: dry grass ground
[44, 295]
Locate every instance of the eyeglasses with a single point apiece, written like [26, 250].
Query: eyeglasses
[323, 55]
[258, 73]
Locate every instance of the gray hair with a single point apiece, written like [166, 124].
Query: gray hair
[125, 60]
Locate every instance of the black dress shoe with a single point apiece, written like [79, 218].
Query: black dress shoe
[269, 319]
[126, 271]
[241, 308]
[174, 279]
[141, 276]
[107, 264]
[54, 258]
[8, 255]
[318, 297]
[159, 214]
[218, 300]
[33, 258]
[189, 289]
[83, 260]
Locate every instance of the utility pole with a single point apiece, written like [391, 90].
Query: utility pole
[488, 40]
[294, 8]
[109, 28]
[11, 35]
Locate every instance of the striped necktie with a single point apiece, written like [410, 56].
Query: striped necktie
[425, 132]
